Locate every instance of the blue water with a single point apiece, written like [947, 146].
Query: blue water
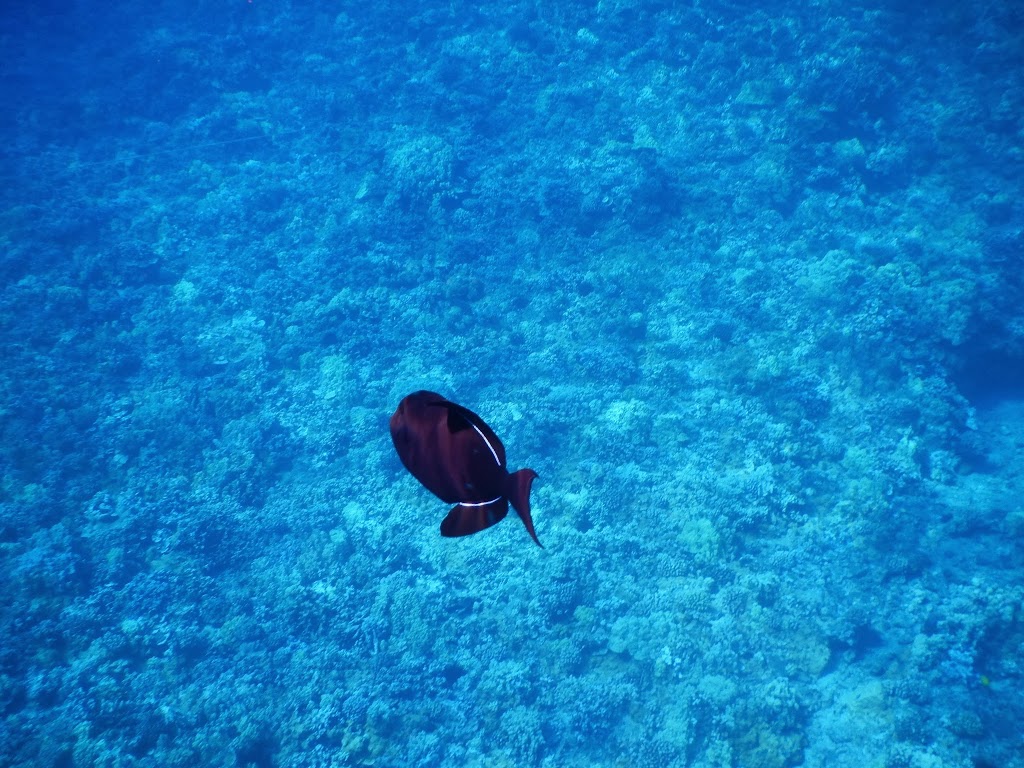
[741, 281]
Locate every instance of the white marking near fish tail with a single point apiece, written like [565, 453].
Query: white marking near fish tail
[478, 503]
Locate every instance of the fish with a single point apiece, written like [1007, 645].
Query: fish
[457, 457]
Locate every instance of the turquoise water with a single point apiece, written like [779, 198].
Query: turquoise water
[741, 282]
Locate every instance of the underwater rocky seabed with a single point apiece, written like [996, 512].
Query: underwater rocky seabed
[743, 286]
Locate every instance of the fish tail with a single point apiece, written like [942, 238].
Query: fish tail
[518, 492]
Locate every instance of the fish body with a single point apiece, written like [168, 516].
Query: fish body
[458, 458]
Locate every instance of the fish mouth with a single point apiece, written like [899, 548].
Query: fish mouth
[397, 422]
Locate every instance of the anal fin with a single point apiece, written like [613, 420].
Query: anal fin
[462, 520]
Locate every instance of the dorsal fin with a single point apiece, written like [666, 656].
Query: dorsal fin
[457, 420]
[460, 418]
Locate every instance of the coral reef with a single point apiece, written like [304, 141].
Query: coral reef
[742, 284]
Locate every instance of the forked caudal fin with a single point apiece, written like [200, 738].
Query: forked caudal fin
[518, 492]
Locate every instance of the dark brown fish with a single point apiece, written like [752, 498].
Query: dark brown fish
[459, 459]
